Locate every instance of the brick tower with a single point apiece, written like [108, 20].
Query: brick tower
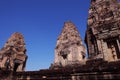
[69, 48]
[13, 55]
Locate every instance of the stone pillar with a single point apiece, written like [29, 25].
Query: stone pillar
[56, 57]
[20, 67]
[104, 48]
[73, 77]
[28, 77]
[99, 45]
[118, 44]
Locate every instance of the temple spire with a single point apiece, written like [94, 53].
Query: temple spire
[13, 54]
[69, 48]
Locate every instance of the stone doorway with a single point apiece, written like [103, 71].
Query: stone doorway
[113, 45]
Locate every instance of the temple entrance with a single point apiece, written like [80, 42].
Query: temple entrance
[16, 66]
[113, 45]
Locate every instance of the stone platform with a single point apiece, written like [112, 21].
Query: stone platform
[93, 70]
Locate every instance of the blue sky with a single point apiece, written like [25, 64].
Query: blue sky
[41, 22]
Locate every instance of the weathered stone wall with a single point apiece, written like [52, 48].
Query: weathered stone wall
[103, 31]
[93, 70]
[76, 76]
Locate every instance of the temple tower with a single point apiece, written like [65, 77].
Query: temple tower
[69, 48]
[103, 31]
[13, 54]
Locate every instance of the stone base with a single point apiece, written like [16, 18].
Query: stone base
[96, 69]
[6, 75]
[69, 64]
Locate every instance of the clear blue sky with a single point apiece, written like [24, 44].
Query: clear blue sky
[40, 21]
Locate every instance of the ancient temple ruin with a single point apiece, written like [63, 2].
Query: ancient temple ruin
[103, 46]
[103, 31]
[13, 55]
[69, 48]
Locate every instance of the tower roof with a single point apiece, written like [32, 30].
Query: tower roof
[69, 48]
[103, 13]
[16, 39]
[14, 53]
[69, 32]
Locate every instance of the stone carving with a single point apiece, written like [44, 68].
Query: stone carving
[13, 54]
[69, 48]
[103, 31]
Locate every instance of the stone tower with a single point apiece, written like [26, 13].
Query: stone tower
[69, 48]
[103, 31]
[13, 54]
